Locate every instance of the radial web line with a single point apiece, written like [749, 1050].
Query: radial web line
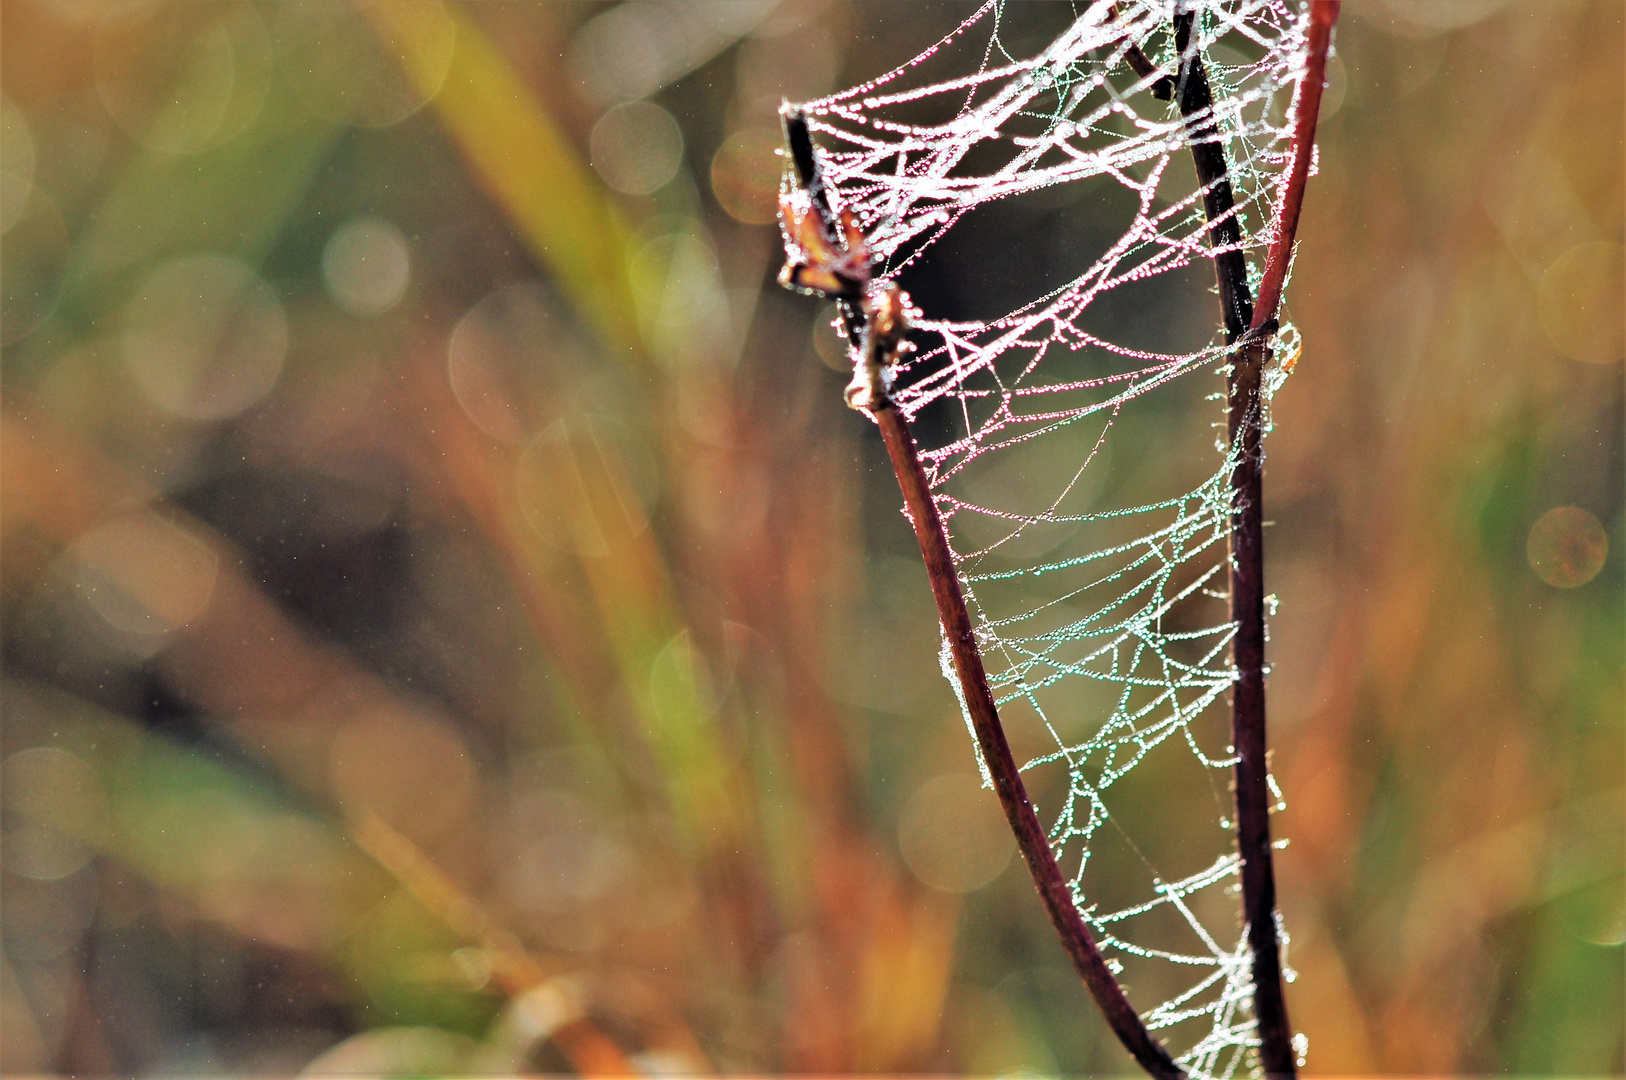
[1094, 580]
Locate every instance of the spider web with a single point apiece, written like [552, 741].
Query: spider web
[1099, 608]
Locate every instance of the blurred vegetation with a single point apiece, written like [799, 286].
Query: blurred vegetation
[452, 625]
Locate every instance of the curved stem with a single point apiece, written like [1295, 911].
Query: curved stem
[996, 752]
[973, 679]
[1306, 111]
[1245, 422]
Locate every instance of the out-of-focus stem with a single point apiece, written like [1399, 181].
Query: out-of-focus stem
[1245, 424]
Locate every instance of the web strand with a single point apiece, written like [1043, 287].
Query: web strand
[1100, 619]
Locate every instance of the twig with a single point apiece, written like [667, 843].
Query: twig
[1306, 110]
[1243, 324]
[996, 752]
[973, 679]
[1163, 87]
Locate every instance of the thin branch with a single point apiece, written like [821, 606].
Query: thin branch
[996, 753]
[1306, 111]
[1249, 327]
[973, 679]
[1163, 87]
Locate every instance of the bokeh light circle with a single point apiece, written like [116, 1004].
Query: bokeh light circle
[37, 252]
[1426, 17]
[745, 175]
[828, 344]
[583, 481]
[953, 835]
[637, 147]
[412, 769]
[399, 1051]
[504, 355]
[681, 687]
[1567, 547]
[551, 491]
[16, 163]
[365, 266]
[681, 299]
[180, 78]
[1582, 302]
[370, 64]
[53, 804]
[46, 919]
[797, 67]
[624, 53]
[145, 575]
[204, 337]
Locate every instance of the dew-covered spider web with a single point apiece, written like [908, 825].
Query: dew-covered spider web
[1074, 445]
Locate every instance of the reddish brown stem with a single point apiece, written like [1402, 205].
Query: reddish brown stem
[1245, 424]
[1306, 111]
[1163, 87]
[996, 752]
[973, 679]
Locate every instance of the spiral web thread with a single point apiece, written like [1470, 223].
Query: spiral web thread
[1126, 600]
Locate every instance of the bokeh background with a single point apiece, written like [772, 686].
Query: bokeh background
[451, 623]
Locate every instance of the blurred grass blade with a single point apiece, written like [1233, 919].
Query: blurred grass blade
[515, 971]
[524, 162]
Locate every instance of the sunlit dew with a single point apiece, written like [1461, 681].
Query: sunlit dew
[1567, 547]
[828, 344]
[1119, 599]
[16, 163]
[368, 64]
[204, 337]
[179, 78]
[745, 175]
[1582, 302]
[145, 576]
[636, 147]
[365, 266]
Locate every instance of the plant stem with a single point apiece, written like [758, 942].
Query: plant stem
[996, 752]
[1245, 424]
[973, 679]
[1163, 87]
[1306, 110]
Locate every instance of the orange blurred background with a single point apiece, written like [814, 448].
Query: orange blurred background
[452, 624]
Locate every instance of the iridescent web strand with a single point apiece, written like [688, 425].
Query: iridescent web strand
[910, 162]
